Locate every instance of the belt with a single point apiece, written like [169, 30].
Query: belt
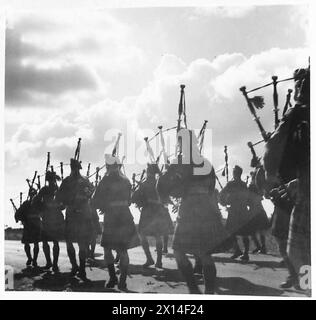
[118, 204]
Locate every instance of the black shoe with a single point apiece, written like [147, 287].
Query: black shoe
[289, 283]
[48, 266]
[148, 263]
[263, 251]
[245, 257]
[83, 276]
[34, 264]
[55, 268]
[158, 265]
[112, 283]
[255, 250]
[122, 286]
[194, 290]
[236, 255]
[29, 262]
[74, 271]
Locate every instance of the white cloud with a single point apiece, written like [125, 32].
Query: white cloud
[235, 12]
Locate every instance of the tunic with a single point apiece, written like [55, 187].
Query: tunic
[112, 197]
[235, 196]
[153, 218]
[199, 228]
[259, 219]
[74, 193]
[52, 216]
[30, 217]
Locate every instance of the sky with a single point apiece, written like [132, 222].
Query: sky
[93, 73]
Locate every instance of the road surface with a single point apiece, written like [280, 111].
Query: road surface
[261, 276]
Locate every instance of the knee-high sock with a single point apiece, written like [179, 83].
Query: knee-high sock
[263, 241]
[46, 250]
[55, 253]
[145, 246]
[82, 257]
[124, 263]
[185, 267]
[159, 249]
[27, 249]
[246, 244]
[236, 245]
[209, 274]
[256, 241]
[35, 252]
[72, 254]
[111, 270]
[165, 242]
[92, 247]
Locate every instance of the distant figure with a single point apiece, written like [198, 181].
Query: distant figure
[259, 220]
[30, 217]
[53, 220]
[151, 223]
[235, 197]
[74, 193]
[112, 197]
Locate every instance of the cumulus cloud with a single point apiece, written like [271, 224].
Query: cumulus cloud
[77, 53]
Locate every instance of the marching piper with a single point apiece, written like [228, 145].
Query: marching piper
[113, 198]
[52, 219]
[235, 196]
[151, 222]
[29, 214]
[199, 230]
[74, 193]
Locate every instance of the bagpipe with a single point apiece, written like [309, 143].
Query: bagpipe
[257, 102]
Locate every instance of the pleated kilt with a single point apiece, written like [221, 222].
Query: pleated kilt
[259, 220]
[119, 230]
[78, 226]
[299, 241]
[239, 222]
[53, 225]
[32, 231]
[280, 220]
[199, 228]
[153, 220]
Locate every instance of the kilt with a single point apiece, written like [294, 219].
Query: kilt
[119, 230]
[78, 226]
[239, 222]
[299, 241]
[32, 231]
[259, 220]
[199, 228]
[152, 220]
[280, 221]
[53, 225]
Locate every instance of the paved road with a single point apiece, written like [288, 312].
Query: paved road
[261, 276]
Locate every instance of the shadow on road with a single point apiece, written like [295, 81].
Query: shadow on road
[241, 286]
[63, 282]
[257, 263]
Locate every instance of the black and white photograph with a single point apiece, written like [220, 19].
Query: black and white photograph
[157, 149]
